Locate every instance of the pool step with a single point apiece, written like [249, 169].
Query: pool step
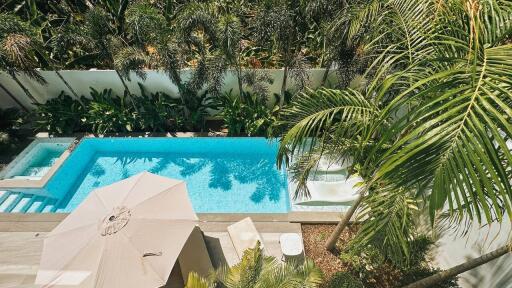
[36, 171]
[17, 202]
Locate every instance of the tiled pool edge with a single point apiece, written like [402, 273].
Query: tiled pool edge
[45, 222]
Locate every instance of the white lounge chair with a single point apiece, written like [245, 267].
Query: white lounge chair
[339, 192]
[244, 235]
[327, 165]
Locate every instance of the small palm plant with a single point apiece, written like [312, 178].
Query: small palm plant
[19, 49]
[256, 270]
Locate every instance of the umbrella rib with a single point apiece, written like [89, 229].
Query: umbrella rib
[81, 226]
[121, 233]
[139, 177]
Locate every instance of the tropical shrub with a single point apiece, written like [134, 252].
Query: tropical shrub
[374, 269]
[250, 114]
[247, 115]
[109, 113]
[106, 112]
[61, 115]
[343, 280]
[11, 120]
[256, 270]
[159, 112]
[195, 107]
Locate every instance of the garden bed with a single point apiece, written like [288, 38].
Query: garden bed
[314, 237]
[363, 267]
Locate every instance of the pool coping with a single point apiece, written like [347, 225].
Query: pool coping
[40, 183]
[46, 222]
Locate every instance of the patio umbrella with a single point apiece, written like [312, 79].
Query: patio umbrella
[128, 234]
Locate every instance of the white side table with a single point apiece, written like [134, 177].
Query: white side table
[291, 246]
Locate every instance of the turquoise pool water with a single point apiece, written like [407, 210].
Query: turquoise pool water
[223, 175]
[36, 160]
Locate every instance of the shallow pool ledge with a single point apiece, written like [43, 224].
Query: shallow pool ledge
[40, 183]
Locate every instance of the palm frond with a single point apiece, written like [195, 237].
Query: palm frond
[388, 224]
[313, 113]
[455, 136]
[129, 59]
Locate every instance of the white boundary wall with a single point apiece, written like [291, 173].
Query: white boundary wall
[453, 249]
[82, 80]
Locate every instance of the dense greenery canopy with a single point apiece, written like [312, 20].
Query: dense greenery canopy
[430, 127]
[250, 33]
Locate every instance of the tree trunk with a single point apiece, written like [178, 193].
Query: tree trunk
[127, 91]
[326, 74]
[283, 86]
[69, 86]
[240, 87]
[27, 92]
[124, 83]
[456, 270]
[331, 242]
[13, 98]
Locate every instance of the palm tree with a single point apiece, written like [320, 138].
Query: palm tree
[101, 32]
[439, 139]
[64, 41]
[279, 27]
[257, 270]
[230, 43]
[193, 38]
[18, 52]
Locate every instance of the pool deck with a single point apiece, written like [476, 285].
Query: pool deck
[22, 235]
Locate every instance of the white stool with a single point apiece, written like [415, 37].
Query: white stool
[291, 246]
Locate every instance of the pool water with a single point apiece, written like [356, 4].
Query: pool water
[37, 160]
[223, 175]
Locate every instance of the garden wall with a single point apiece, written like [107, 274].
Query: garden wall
[82, 80]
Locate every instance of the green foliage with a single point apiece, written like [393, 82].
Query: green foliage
[235, 28]
[19, 47]
[256, 270]
[159, 112]
[108, 113]
[430, 127]
[247, 115]
[343, 280]
[11, 120]
[144, 22]
[60, 115]
[374, 269]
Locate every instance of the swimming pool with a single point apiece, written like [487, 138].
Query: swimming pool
[223, 175]
[36, 159]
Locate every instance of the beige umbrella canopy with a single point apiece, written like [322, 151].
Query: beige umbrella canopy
[128, 234]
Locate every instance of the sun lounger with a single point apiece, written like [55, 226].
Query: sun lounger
[244, 235]
[326, 165]
[339, 192]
